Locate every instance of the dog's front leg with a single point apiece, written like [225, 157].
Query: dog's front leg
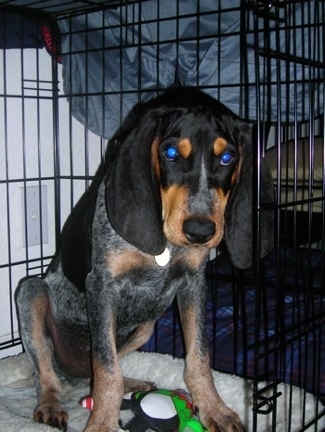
[212, 411]
[107, 374]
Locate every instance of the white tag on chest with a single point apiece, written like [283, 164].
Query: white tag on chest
[163, 259]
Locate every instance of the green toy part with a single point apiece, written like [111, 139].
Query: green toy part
[162, 410]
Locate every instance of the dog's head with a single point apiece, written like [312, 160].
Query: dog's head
[183, 174]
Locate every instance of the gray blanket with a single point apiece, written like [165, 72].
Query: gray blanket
[125, 49]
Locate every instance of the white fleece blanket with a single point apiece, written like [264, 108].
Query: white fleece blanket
[17, 394]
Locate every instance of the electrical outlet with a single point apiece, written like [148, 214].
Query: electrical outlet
[35, 221]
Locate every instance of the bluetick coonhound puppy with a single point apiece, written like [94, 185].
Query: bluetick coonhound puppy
[178, 183]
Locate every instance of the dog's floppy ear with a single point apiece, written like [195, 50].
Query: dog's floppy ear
[133, 199]
[239, 223]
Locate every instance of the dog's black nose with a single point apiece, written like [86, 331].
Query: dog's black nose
[199, 230]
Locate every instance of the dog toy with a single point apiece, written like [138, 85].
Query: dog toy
[158, 410]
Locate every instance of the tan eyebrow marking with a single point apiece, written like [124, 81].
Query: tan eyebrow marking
[219, 146]
[184, 147]
[154, 156]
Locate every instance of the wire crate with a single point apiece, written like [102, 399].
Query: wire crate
[71, 73]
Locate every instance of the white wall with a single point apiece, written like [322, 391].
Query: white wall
[26, 152]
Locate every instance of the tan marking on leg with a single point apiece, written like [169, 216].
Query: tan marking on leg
[219, 146]
[213, 412]
[138, 338]
[184, 147]
[107, 386]
[124, 261]
[50, 409]
[48, 377]
[108, 391]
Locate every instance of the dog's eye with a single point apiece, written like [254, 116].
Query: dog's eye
[171, 153]
[226, 158]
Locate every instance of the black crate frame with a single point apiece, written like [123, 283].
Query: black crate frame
[256, 17]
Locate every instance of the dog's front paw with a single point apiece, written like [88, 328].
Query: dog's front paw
[222, 420]
[52, 414]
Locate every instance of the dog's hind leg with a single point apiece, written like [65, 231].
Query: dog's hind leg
[135, 341]
[34, 312]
